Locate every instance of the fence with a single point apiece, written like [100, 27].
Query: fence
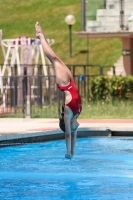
[38, 96]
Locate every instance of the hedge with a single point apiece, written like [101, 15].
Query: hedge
[106, 88]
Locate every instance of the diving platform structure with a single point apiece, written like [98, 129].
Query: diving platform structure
[26, 54]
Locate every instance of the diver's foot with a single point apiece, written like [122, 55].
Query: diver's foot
[39, 31]
[68, 156]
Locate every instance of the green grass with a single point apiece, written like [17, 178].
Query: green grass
[91, 110]
[18, 18]
[91, 10]
[110, 110]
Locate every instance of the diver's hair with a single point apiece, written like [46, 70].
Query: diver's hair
[61, 120]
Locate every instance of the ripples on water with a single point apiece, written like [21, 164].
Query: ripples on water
[102, 168]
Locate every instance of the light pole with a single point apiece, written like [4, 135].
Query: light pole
[122, 15]
[83, 15]
[70, 20]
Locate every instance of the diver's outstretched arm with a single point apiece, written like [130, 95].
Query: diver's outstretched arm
[73, 141]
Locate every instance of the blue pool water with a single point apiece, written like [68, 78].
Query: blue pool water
[102, 168]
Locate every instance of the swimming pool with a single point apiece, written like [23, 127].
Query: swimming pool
[102, 168]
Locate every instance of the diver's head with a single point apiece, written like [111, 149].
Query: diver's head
[74, 124]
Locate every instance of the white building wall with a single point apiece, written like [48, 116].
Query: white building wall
[109, 19]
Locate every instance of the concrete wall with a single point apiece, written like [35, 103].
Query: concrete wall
[109, 19]
[131, 52]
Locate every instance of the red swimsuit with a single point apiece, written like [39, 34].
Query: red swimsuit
[75, 103]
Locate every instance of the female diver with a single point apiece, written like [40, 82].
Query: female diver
[73, 105]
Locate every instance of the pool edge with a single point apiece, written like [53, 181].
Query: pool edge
[22, 138]
[49, 135]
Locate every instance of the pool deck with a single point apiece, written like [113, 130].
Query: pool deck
[34, 130]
